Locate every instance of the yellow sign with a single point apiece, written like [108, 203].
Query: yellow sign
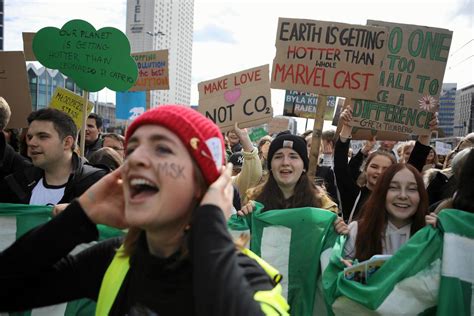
[70, 103]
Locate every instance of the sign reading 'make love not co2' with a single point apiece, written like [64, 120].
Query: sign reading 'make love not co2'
[94, 59]
[242, 97]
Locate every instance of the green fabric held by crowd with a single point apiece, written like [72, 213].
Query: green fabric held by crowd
[430, 275]
[292, 241]
[16, 220]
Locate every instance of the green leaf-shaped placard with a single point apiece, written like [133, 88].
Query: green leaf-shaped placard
[94, 59]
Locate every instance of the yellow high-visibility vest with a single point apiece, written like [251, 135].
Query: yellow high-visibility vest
[271, 302]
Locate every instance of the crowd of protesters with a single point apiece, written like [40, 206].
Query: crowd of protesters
[167, 181]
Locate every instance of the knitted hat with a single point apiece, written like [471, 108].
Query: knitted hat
[201, 137]
[237, 159]
[297, 143]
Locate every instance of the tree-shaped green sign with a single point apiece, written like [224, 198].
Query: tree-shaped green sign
[94, 59]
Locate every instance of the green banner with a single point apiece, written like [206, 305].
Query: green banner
[291, 240]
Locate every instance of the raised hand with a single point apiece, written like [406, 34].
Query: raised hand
[221, 192]
[244, 138]
[104, 202]
[346, 117]
[246, 209]
[368, 146]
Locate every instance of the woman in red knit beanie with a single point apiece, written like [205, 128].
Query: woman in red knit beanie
[174, 194]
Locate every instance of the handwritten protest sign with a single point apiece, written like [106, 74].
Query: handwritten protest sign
[278, 124]
[129, 105]
[28, 46]
[14, 87]
[70, 103]
[242, 97]
[328, 58]
[303, 104]
[257, 133]
[94, 59]
[410, 81]
[443, 148]
[152, 71]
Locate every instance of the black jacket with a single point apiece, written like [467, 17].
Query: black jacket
[18, 185]
[215, 279]
[10, 159]
[92, 148]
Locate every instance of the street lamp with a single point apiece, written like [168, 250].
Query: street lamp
[156, 33]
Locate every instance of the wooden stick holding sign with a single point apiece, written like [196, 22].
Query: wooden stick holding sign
[84, 123]
[317, 132]
[148, 100]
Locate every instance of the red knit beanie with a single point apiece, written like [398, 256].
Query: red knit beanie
[200, 135]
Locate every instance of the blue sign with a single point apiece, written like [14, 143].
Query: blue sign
[129, 105]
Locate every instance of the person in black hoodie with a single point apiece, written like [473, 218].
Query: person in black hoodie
[174, 194]
[56, 174]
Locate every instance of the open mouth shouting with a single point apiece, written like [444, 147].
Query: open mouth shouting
[141, 188]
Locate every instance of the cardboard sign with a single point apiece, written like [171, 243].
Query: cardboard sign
[303, 104]
[410, 81]
[367, 133]
[129, 105]
[14, 87]
[70, 103]
[152, 71]
[257, 133]
[242, 97]
[94, 59]
[443, 148]
[28, 46]
[278, 124]
[328, 58]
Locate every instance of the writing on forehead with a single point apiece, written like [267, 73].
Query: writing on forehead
[171, 170]
[288, 144]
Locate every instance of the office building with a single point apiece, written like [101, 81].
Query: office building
[447, 102]
[463, 112]
[165, 24]
[43, 82]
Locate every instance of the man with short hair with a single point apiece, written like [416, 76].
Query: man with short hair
[5, 114]
[56, 174]
[93, 130]
[114, 141]
[13, 161]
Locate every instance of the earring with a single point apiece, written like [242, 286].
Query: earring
[187, 228]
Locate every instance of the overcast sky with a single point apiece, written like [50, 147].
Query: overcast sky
[231, 36]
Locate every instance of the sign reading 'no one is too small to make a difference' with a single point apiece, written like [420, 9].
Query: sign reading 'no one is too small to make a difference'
[328, 58]
[242, 97]
[410, 80]
[94, 59]
[152, 70]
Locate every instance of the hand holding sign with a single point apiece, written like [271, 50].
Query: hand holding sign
[93, 58]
